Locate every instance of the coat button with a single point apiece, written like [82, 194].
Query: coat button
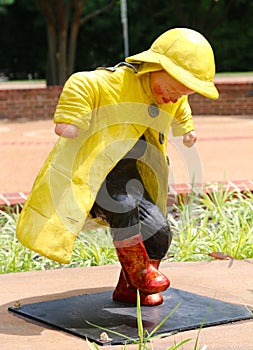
[153, 110]
[161, 138]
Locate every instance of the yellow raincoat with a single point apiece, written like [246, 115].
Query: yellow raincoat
[112, 109]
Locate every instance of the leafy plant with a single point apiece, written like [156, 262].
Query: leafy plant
[13, 256]
[218, 220]
[94, 248]
[91, 248]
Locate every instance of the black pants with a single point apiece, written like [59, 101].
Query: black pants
[127, 207]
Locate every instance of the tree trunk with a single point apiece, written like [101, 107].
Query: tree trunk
[75, 26]
[52, 76]
[63, 20]
[61, 57]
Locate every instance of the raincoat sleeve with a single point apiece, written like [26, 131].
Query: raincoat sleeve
[77, 101]
[182, 121]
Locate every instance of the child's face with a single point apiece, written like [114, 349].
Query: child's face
[166, 89]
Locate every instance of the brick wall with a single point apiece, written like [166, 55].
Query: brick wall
[235, 99]
[30, 104]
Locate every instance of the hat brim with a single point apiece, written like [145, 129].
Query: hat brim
[205, 88]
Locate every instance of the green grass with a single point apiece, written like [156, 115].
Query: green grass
[92, 248]
[25, 81]
[220, 220]
[234, 74]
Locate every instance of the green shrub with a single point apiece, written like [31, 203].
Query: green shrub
[219, 220]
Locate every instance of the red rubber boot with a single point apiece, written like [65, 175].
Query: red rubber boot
[128, 294]
[137, 267]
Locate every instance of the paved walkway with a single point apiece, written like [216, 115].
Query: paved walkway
[229, 281]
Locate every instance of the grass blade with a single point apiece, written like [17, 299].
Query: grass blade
[151, 334]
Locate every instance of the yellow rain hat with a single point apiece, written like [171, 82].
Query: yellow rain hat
[187, 56]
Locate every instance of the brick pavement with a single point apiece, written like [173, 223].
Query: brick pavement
[223, 153]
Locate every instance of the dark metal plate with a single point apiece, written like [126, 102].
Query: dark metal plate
[70, 314]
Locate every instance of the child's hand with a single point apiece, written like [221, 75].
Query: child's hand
[190, 138]
[66, 130]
